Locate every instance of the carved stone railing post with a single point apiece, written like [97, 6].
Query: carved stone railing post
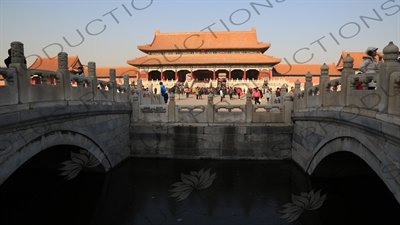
[283, 93]
[297, 90]
[307, 85]
[345, 80]
[127, 86]
[210, 108]
[249, 108]
[18, 62]
[140, 89]
[113, 84]
[64, 73]
[323, 79]
[287, 108]
[126, 79]
[135, 108]
[93, 77]
[171, 108]
[390, 65]
[297, 87]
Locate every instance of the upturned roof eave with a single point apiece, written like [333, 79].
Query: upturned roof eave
[147, 49]
[273, 63]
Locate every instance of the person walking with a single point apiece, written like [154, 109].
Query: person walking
[164, 92]
[268, 95]
[221, 93]
[256, 95]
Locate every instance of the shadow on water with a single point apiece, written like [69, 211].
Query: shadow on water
[37, 194]
[138, 192]
[357, 195]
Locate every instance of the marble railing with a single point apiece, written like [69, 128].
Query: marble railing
[212, 113]
[22, 85]
[343, 92]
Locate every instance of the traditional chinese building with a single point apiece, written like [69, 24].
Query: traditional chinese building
[51, 64]
[205, 56]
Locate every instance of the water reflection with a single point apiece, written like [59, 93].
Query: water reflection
[138, 192]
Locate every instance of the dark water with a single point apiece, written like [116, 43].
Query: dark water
[138, 192]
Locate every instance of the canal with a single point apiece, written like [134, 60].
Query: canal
[172, 191]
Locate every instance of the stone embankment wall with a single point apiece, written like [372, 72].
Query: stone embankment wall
[206, 141]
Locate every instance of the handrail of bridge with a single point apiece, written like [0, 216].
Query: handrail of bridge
[145, 111]
[58, 85]
[343, 93]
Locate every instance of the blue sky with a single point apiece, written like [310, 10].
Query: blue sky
[290, 26]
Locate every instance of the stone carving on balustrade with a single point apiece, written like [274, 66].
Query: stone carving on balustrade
[44, 76]
[126, 79]
[112, 75]
[104, 85]
[85, 81]
[145, 98]
[229, 108]
[92, 69]
[154, 109]
[268, 108]
[313, 91]
[63, 61]
[9, 75]
[191, 109]
[122, 89]
[17, 52]
[333, 85]
[391, 52]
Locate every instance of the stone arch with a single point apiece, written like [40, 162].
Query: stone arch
[19, 156]
[355, 146]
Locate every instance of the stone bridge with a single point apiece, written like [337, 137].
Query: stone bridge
[334, 117]
[33, 118]
[309, 126]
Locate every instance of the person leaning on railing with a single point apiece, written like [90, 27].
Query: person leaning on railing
[370, 64]
[82, 74]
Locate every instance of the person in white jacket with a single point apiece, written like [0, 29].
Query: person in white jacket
[370, 64]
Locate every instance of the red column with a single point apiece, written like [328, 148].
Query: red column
[229, 74]
[162, 75]
[213, 74]
[244, 75]
[176, 75]
[191, 75]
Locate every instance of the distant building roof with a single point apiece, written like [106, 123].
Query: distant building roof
[104, 71]
[180, 41]
[51, 64]
[303, 69]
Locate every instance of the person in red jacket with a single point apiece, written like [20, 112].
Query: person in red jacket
[256, 95]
